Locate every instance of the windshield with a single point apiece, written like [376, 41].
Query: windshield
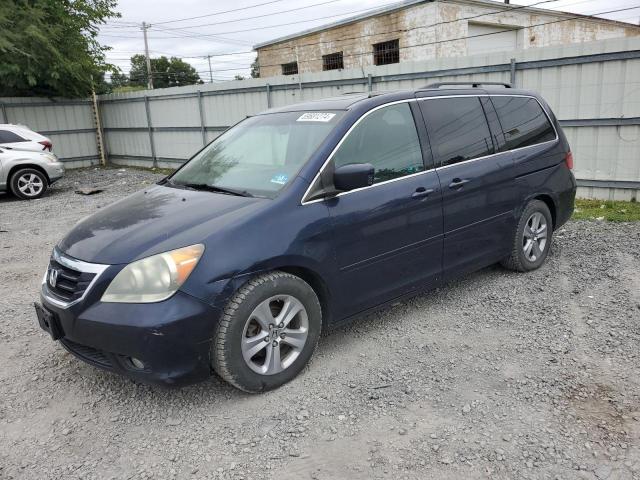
[260, 155]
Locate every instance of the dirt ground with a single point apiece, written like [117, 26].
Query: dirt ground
[498, 375]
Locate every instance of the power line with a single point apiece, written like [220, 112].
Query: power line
[220, 13]
[214, 37]
[202, 35]
[404, 30]
[256, 16]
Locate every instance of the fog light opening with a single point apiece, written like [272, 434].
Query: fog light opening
[139, 364]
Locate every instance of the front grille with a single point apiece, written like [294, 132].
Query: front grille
[89, 354]
[68, 285]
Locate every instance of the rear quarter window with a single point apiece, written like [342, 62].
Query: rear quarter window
[9, 137]
[523, 121]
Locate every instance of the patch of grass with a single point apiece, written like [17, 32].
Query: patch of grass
[611, 211]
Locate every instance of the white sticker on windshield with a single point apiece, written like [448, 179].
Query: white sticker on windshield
[316, 117]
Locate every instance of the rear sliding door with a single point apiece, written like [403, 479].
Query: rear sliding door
[478, 191]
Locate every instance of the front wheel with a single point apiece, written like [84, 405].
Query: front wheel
[532, 238]
[267, 333]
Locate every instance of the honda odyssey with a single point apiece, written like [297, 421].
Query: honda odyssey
[302, 217]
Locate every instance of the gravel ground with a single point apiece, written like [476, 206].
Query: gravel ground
[499, 375]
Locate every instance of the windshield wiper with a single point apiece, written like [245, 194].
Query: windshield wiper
[213, 188]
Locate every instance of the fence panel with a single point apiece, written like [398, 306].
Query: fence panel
[68, 123]
[594, 89]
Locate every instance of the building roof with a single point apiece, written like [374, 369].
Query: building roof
[410, 3]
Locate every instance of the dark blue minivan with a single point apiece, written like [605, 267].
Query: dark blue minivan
[303, 217]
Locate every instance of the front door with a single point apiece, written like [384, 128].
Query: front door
[388, 237]
[478, 189]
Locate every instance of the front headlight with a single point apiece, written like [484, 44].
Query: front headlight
[155, 278]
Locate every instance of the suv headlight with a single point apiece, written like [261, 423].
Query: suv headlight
[154, 278]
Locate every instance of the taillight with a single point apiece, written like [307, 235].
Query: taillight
[46, 145]
[569, 160]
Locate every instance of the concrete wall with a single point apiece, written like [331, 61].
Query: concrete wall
[433, 30]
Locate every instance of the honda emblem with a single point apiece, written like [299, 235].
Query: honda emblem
[53, 277]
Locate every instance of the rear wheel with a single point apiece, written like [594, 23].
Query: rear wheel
[532, 238]
[28, 184]
[267, 333]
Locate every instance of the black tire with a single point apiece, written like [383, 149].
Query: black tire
[226, 350]
[20, 176]
[518, 260]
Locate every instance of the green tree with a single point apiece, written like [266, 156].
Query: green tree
[166, 72]
[119, 79]
[255, 69]
[50, 47]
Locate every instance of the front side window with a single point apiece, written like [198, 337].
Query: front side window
[458, 129]
[260, 155]
[387, 139]
[523, 121]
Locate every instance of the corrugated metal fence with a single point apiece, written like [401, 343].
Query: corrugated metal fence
[594, 89]
[69, 123]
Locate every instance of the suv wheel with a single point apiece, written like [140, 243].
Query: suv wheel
[267, 333]
[532, 238]
[28, 184]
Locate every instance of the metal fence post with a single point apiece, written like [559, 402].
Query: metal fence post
[512, 79]
[369, 82]
[150, 130]
[4, 113]
[201, 110]
[268, 96]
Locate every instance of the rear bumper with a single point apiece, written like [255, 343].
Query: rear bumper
[55, 171]
[566, 202]
[171, 338]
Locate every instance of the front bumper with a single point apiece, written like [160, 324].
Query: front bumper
[172, 338]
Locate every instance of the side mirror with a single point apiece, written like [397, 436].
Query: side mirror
[353, 176]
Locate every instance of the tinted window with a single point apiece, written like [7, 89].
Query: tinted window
[10, 137]
[523, 121]
[387, 139]
[458, 129]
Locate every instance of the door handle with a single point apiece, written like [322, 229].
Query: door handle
[422, 192]
[458, 182]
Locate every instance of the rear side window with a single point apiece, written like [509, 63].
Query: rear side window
[523, 121]
[458, 129]
[10, 137]
[388, 140]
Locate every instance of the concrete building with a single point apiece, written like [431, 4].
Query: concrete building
[426, 29]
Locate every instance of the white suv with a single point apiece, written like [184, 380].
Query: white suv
[28, 174]
[19, 137]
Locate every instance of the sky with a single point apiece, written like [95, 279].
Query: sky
[193, 29]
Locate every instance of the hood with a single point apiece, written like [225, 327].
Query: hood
[153, 221]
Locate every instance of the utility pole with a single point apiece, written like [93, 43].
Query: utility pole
[145, 27]
[210, 71]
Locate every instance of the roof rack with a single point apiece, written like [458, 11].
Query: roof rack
[473, 84]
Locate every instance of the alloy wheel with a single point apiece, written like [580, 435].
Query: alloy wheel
[30, 184]
[535, 236]
[275, 334]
